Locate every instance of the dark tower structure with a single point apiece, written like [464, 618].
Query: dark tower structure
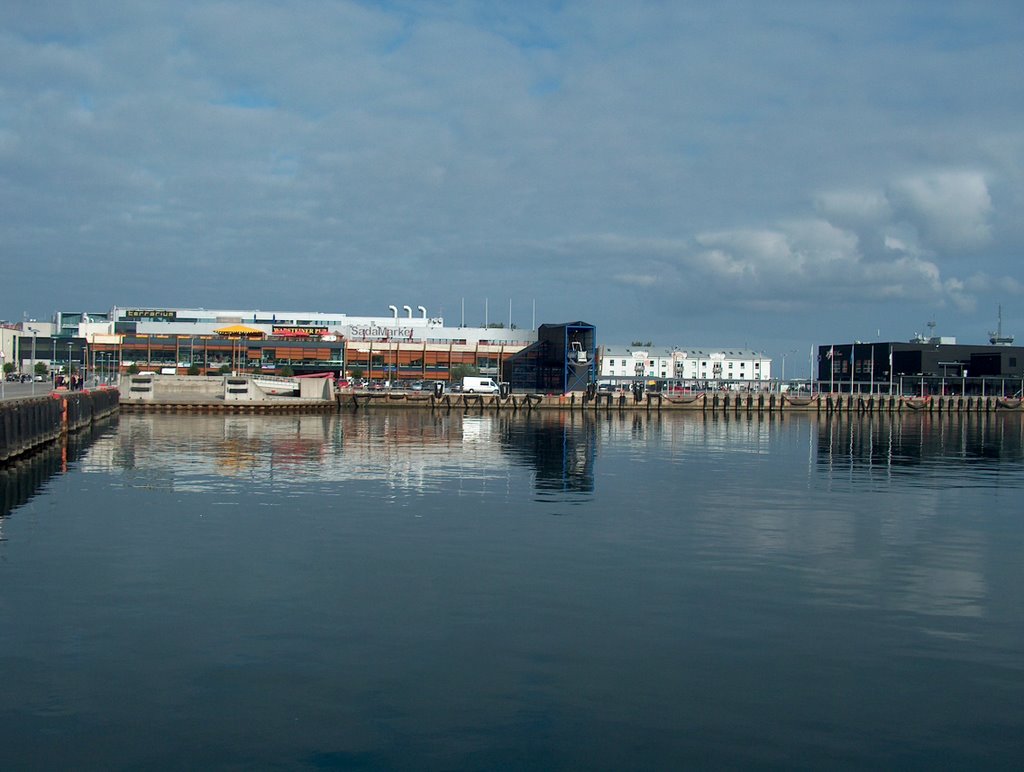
[562, 360]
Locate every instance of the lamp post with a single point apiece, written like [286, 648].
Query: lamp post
[32, 365]
[782, 377]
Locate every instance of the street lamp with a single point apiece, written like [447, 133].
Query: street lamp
[782, 378]
[32, 366]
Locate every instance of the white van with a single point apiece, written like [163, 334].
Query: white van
[474, 385]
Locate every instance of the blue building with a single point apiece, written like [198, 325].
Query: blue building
[563, 359]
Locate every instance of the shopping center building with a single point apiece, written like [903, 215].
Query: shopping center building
[401, 345]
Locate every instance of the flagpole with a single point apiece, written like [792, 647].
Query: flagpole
[890, 369]
[810, 370]
[853, 348]
[872, 369]
[831, 369]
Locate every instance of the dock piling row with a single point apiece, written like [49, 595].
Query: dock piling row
[27, 424]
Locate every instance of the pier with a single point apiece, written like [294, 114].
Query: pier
[153, 393]
[29, 423]
[149, 392]
[750, 402]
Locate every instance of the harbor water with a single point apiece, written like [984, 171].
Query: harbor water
[449, 590]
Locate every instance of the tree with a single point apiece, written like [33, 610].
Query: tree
[9, 367]
[460, 371]
[193, 369]
[356, 372]
[224, 369]
[133, 369]
[41, 369]
[287, 371]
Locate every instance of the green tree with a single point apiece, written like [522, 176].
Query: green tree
[287, 370]
[9, 367]
[460, 371]
[356, 372]
[224, 369]
[41, 369]
[193, 369]
[133, 369]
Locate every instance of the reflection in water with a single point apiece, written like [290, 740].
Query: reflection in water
[405, 449]
[25, 478]
[931, 539]
[561, 448]
[390, 590]
[967, 442]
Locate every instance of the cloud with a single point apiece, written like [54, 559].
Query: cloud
[951, 208]
[634, 164]
[802, 261]
[854, 207]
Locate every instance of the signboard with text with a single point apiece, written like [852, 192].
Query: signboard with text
[151, 313]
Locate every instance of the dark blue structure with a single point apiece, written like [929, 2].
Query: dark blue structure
[563, 359]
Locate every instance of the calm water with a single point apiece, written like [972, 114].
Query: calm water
[420, 591]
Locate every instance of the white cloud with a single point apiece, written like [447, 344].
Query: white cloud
[951, 208]
[609, 155]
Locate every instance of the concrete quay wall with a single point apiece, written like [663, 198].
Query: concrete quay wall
[700, 402]
[212, 391]
[27, 424]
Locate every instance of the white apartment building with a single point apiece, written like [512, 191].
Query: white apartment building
[690, 366]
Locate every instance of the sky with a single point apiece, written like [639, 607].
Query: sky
[768, 175]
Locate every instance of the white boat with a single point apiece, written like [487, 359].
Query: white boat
[276, 385]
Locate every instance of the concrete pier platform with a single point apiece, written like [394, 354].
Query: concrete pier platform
[149, 392]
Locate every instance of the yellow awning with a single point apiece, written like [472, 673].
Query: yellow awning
[238, 329]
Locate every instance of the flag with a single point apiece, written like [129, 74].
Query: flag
[831, 351]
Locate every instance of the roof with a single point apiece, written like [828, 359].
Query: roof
[238, 329]
[661, 351]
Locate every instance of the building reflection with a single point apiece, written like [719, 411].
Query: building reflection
[23, 479]
[901, 442]
[559, 447]
[405, 449]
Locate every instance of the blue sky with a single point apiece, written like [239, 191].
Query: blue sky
[764, 174]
